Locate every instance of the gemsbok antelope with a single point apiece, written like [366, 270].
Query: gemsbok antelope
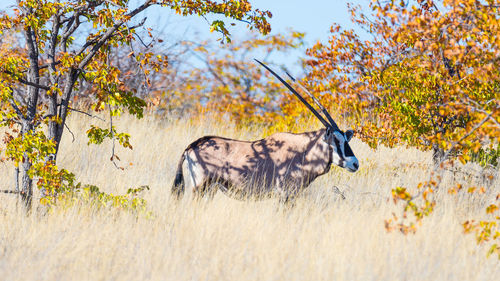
[281, 164]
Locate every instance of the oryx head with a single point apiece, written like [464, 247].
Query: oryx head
[342, 154]
[338, 140]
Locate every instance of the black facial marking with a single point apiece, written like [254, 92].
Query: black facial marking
[347, 150]
[339, 151]
[348, 135]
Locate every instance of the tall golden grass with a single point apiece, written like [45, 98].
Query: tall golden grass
[323, 237]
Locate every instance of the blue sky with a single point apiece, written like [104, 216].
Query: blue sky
[313, 17]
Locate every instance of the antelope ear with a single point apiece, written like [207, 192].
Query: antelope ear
[329, 131]
[349, 134]
[328, 134]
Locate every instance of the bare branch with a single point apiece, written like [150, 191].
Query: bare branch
[137, 25]
[86, 113]
[10, 191]
[69, 130]
[113, 155]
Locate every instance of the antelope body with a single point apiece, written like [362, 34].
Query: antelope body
[281, 164]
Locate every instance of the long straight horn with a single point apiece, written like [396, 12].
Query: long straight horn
[297, 95]
[323, 109]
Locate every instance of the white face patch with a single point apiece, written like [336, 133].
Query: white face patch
[338, 146]
[342, 154]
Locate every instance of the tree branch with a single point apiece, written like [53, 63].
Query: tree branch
[16, 108]
[99, 43]
[478, 125]
[69, 130]
[113, 155]
[10, 191]
[23, 81]
[86, 113]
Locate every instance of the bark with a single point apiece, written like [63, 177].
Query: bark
[28, 122]
[16, 178]
[54, 79]
[56, 127]
[438, 155]
[26, 190]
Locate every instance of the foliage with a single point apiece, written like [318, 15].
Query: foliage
[422, 73]
[487, 231]
[487, 157]
[58, 184]
[93, 196]
[54, 46]
[427, 76]
[228, 84]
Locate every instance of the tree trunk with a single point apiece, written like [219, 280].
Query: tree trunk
[26, 184]
[56, 127]
[53, 126]
[16, 177]
[28, 122]
[437, 155]
[26, 189]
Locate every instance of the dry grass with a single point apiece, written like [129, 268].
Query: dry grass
[322, 238]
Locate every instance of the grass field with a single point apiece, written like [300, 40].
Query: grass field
[322, 238]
